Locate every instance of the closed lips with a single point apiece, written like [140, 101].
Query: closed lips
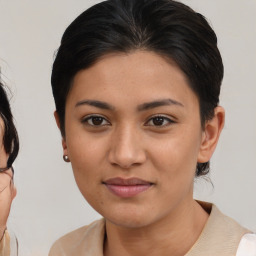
[126, 182]
[126, 188]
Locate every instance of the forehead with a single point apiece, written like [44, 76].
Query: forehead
[140, 75]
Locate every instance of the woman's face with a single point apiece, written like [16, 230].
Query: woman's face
[133, 135]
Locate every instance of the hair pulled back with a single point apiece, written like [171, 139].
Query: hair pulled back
[169, 28]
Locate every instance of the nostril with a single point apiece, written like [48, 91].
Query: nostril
[126, 160]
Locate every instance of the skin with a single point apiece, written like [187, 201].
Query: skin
[129, 141]
[7, 189]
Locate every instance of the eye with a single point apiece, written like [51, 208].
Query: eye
[95, 120]
[159, 121]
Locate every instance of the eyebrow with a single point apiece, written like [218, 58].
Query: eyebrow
[158, 103]
[95, 103]
[142, 107]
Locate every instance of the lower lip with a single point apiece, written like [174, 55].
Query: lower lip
[127, 191]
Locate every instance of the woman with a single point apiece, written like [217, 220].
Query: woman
[9, 147]
[136, 85]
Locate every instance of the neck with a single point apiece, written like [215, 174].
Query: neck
[173, 235]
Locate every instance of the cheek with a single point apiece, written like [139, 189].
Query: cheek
[176, 172]
[86, 173]
[87, 158]
[176, 153]
[175, 157]
[84, 151]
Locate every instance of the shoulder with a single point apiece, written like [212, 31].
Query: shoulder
[221, 223]
[218, 228]
[247, 245]
[80, 240]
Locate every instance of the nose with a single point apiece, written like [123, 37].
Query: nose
[126, 148]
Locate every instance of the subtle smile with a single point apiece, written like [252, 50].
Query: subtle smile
[127, 187]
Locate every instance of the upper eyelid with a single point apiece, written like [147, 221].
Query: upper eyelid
[93, 115]
[167, 117]
[162, 115]
[87, 117]
[170, 120]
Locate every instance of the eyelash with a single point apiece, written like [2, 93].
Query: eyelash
[90, 118]
[164, 121]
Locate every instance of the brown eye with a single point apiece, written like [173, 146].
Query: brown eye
[159, 121]
[95, 121]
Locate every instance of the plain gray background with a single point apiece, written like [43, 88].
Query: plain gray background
[48, 203]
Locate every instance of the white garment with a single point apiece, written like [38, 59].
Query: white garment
[247, 245]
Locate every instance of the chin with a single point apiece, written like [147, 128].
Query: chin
[130, 222]
[129, 218]
[127, 213]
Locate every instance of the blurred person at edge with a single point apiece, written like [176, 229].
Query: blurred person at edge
[9, 147]
[136, 85]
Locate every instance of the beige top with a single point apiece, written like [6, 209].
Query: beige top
[5, 245]
[220, 237]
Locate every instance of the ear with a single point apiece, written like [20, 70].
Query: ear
[211, 135]
[64, 145]
[14, 192]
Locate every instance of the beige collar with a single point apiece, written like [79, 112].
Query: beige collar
[220, 236]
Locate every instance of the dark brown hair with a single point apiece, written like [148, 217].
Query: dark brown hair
[169, 28]
[10, 138]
